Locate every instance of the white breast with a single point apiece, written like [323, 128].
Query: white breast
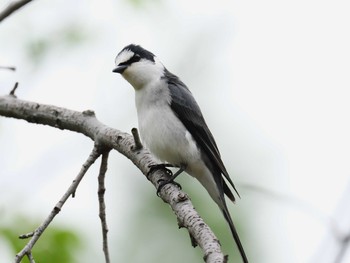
[160, 129]
[167, 138]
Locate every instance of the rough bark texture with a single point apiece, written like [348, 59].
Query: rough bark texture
[86, 123]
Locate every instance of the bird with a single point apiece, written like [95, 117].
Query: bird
[173, 128]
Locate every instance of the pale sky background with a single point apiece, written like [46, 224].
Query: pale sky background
[272, 79]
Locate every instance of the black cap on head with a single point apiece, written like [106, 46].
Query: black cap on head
[140, 51]
[131, 54]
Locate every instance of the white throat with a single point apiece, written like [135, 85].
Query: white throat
[143, 73]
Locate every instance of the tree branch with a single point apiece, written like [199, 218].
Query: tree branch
[102, 206]
[30, 257]
[137, 140]
[8, 68]
[12, 7]
[71, 190]
[12, 92]
[87, 124]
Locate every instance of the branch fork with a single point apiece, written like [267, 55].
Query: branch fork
[105, 139]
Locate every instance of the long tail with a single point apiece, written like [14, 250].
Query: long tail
[216, 187]
[234, 232]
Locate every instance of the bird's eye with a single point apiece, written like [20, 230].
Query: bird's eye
[135, 58]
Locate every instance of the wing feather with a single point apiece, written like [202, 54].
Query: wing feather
[189, 113]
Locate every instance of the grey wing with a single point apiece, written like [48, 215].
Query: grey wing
[188, 111]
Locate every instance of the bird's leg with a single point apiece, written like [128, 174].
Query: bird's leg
[171, 179]
[160, 166]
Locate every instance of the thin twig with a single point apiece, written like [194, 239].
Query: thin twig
[344, 246]
[90, 126]
[12, 92]
[30, 257]
[102, 205]
[12, 7]
[8, 68]
[292, 201]
[137, 140]
[25, 236]
[72, 188]
[311, 210]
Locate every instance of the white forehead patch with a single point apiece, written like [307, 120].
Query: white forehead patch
[123, 56]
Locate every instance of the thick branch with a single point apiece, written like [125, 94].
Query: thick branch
[87, 124]
[12, 7]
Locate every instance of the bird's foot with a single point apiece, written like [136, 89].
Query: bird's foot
[162, 183]
[160, 166]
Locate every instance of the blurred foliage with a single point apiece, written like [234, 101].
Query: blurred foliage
[67, 36]
[38, 49]
[56, 245]
[142, 3]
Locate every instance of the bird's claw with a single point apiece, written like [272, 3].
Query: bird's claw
[162, 183]
[161, 166]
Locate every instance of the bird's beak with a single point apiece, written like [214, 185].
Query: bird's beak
[120, 69]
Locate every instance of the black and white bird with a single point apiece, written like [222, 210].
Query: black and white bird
[172, 126]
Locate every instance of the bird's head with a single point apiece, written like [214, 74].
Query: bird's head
[138, 66]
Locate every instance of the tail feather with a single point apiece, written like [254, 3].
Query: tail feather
[228, 192]
[217, 187]
[234, 233]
